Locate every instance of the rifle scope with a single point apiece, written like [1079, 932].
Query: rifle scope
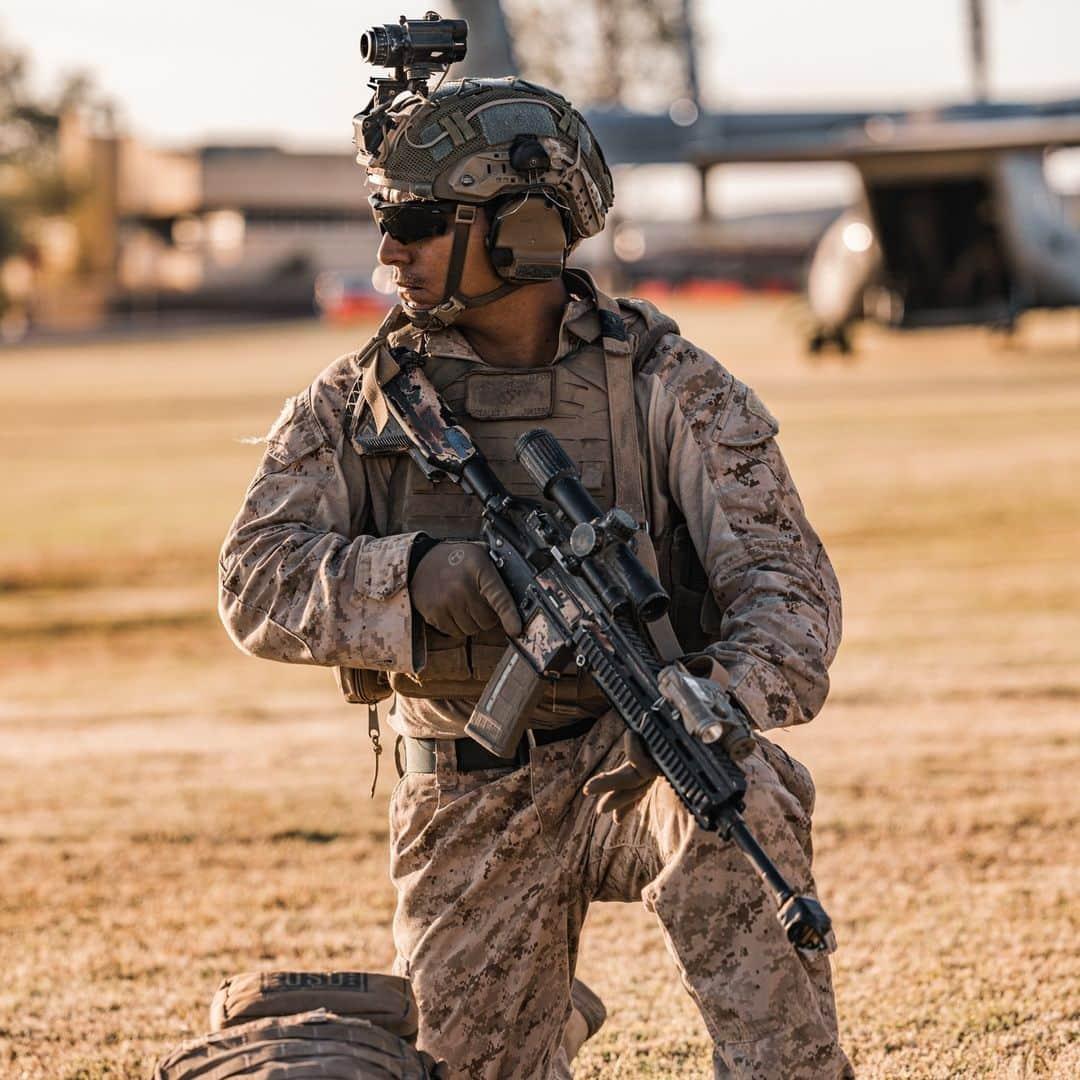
[555, 473]
[404, 44]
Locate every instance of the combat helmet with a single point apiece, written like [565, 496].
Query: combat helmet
[519, 149]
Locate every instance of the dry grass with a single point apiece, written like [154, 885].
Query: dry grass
[174, 812]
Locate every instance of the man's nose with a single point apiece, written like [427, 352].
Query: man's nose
[392, 252]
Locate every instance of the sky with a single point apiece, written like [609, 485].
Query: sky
[287, 72]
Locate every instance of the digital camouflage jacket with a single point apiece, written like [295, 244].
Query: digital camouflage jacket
[312, 570]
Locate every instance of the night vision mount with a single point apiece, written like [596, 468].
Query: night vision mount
[416, 49]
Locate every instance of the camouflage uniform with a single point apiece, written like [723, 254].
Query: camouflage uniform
[495, 870]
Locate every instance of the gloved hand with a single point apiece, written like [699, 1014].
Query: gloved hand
[621, 787]
[456, 588]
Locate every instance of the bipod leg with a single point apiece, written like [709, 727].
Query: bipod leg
[804, 920]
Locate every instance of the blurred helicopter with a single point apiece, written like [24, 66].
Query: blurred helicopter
[956, 224]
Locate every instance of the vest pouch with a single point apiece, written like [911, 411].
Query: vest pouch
[362, 686]
[694, 613]
[573, 692]
[446, 673]
[457, 669]
[485, 652]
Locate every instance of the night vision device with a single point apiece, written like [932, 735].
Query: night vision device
[416, 49]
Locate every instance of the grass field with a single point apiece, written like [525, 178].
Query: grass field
[173, 812]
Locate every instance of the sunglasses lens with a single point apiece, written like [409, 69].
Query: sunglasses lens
[409, 222]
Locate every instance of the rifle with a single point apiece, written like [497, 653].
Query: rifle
[584, 596]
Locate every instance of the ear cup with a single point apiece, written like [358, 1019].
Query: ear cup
[527, 241]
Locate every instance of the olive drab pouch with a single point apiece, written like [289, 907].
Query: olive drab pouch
[363, 686]
[366, 686]
[281, 1025]
[694, 612]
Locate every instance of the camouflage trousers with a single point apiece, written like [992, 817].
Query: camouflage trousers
[494, 874]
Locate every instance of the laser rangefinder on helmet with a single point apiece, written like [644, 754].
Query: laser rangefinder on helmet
[433, 157]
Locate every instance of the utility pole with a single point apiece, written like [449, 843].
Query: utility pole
[491, 52]
[977, 41]
[693, 90]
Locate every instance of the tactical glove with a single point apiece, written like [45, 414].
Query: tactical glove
[621, 787]
[456, 589]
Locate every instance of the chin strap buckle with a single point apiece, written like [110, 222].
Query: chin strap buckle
[453, 303]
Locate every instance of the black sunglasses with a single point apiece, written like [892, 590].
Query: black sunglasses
[407, 222]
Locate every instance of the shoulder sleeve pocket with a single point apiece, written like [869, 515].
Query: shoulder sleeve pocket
[745, 421]
[295, 433]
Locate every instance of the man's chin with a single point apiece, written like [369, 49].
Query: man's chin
[416, 298]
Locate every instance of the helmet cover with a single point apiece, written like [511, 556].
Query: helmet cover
[476, 140]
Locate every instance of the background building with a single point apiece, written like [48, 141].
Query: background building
[239, 230]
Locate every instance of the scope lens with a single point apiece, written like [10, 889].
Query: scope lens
[375, 46]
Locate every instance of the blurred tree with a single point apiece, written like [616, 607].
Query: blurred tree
[31, 180]
[629, 52]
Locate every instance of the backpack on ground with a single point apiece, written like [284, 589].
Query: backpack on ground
[301, 1025]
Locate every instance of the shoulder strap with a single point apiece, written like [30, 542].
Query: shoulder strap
[363, 389]
[650, 339]
[619, 369]
[656, 325]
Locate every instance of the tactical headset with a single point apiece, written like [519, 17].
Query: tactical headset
[527, 237]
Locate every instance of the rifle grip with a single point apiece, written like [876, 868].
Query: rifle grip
[502, 714]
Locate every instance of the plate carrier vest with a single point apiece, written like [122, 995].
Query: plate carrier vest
[585, 400]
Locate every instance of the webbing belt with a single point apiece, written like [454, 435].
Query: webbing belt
[472, 757]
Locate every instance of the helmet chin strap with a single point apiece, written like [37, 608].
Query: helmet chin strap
[453, 303]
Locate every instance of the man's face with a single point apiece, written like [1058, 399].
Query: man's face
[420, 266]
